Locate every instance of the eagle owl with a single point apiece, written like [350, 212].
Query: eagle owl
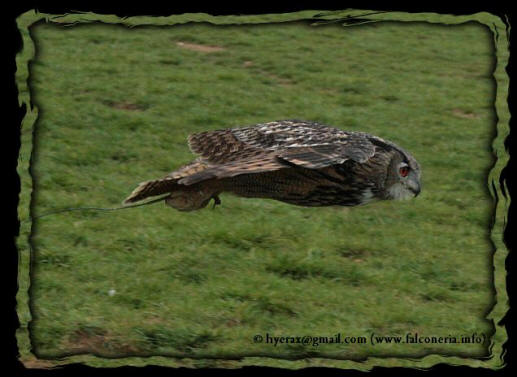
[296, 162]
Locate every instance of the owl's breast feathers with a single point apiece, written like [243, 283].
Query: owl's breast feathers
[293, 161]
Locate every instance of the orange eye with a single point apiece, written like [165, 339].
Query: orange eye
[404, 171]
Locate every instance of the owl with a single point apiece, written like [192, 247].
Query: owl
[296, 162]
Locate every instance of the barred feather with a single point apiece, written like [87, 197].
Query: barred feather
[151, 188]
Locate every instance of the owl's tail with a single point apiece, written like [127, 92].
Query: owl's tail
[152, 188]
[179, 196]
[170, 184]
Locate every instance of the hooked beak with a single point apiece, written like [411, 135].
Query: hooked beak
[416, 190]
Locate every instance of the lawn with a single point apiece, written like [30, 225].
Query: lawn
[115, 106]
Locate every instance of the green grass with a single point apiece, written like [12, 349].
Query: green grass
[115, 108]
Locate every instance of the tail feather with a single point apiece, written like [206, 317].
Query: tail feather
[151, 188]
[167, 184]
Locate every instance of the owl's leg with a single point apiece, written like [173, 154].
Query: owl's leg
[217, 201]
[191, 198]
[188, 200]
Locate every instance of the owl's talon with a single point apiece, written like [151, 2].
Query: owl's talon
[217, 201]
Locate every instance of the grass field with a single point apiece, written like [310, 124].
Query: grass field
[115, 108]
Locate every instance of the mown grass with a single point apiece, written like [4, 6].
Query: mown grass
[115, 108]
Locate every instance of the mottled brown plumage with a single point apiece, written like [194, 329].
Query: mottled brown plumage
[297, 162]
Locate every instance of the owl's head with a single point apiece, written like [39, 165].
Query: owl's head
[403, 178]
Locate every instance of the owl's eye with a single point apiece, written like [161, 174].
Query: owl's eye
[404, 171]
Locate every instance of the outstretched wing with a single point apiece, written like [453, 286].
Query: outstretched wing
[257, 164]
[222, 146]
[241, 143]
[354, 147]
[276, 145]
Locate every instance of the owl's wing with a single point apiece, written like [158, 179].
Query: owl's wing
[256, 164]
[226, 156]
[321, 155]
[275, 145]
[222, 146]
[298, 139]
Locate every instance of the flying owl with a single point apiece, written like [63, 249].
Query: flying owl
[296, 162]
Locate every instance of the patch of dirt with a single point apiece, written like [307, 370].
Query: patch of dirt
[357, 256]
[85, 341]
[282, 81]
[98, 343]
[154, 321]
[463, 114]
[247, 63]
[126, 106]
[233, 322]
[200, 48]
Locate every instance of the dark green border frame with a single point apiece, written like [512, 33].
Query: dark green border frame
[500, 35]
